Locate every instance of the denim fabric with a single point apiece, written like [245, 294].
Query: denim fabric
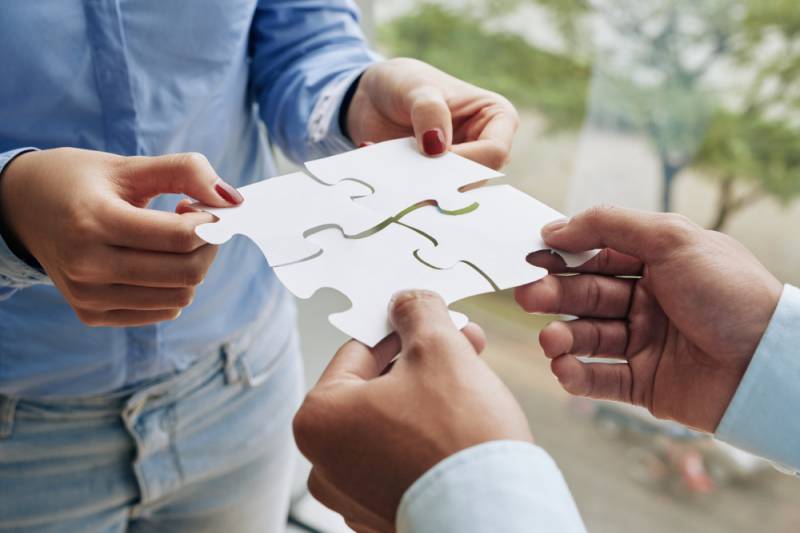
[208, 449]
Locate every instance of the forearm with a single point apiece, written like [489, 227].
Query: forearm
[761, 417]
[504, 486]
[305, 55]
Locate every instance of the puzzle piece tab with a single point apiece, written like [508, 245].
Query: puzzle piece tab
[402, 177]
[277, 213]
[495, 238]
[369, 271]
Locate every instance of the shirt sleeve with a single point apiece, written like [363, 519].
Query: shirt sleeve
[507, 486]
[762, 416]
[15, 273]
[304, 56]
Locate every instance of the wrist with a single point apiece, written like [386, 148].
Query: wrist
[10, 180]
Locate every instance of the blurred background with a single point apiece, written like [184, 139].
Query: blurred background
[691, 106]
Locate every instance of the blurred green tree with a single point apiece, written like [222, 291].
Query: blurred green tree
[504, 63]
[713, 84]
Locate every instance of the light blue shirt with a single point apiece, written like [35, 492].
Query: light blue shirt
[137, 77]
[515, 487]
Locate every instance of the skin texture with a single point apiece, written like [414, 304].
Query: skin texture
[686, 326]
[82, 215]
[370, 430]
[403, 97]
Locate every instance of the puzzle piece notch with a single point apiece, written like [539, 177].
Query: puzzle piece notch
[278, 212]
[369, 271]
[495, 238]
[401, 177]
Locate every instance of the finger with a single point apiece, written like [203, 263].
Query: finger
[431, 120]
[356, 362]
[142, 178]
[585, 337]
[325, 492]
[644, 235]
[583, 295]
[111, 297]
[475, 335]
[126, 317]
[187, 205]
[608, 262]
[148, 229]
[492, 146]
[125, 266]
[601, 381]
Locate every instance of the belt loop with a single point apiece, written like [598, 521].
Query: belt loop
[8, 407]
[229, 360]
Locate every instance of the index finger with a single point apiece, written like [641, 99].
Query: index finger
[638, 234]
[159, 231]
[492, 146]
[356, 362]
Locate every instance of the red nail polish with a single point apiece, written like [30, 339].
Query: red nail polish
[364, 144]
[433, 141]
[228, 193]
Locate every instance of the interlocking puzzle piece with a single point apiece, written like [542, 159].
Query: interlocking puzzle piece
[495, 238]
[401, 177]
[278, 212]
[369, 271]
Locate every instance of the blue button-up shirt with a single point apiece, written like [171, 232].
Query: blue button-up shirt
[137, 77]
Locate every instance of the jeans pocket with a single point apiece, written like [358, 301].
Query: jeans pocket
[259, 362]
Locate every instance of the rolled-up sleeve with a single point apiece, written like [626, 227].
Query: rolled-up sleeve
[304, 56]
[15, 273]
[762, 416]
[507, 486]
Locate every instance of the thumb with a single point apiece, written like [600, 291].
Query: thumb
[423, 322]
[431, 121]
[146, 177]
[640, 234]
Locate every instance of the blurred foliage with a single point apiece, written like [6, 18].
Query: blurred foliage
[505, 63]
[659, 75]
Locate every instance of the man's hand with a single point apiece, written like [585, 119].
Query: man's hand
[686, 327]
[403, 97]
[371, 432]
[82, 215]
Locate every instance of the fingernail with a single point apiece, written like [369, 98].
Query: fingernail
[433, 141]
[554, 226]
[364, 144]
[227, 192]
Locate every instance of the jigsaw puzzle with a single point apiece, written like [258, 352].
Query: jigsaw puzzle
[277, 213]
[401, 177]
[346, 236]
[495, 238]
[370, 270]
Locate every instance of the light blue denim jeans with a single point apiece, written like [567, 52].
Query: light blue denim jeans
[208, 449]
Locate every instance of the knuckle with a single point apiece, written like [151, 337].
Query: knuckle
[192, 276]
[428, 340]
[78, 268]
[598, 213]
[408, 303]
[89, 318]
[192, 160]
[182, 238]
[676, 230]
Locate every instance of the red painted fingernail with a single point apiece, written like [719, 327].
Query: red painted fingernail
[433, 141]
[364, 144]
[228, 193]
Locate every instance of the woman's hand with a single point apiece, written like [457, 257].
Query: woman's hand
[402, 97]
[82, 215]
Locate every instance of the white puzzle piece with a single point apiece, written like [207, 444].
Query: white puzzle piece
[369, 271]
[277, 213]
[496, 237]
[402, 177]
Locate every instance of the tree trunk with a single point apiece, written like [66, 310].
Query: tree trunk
[729, 204]
[668, 172]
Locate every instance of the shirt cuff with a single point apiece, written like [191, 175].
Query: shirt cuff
[14, 272]
[761, 417]
[507, 486]
[324, 134]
